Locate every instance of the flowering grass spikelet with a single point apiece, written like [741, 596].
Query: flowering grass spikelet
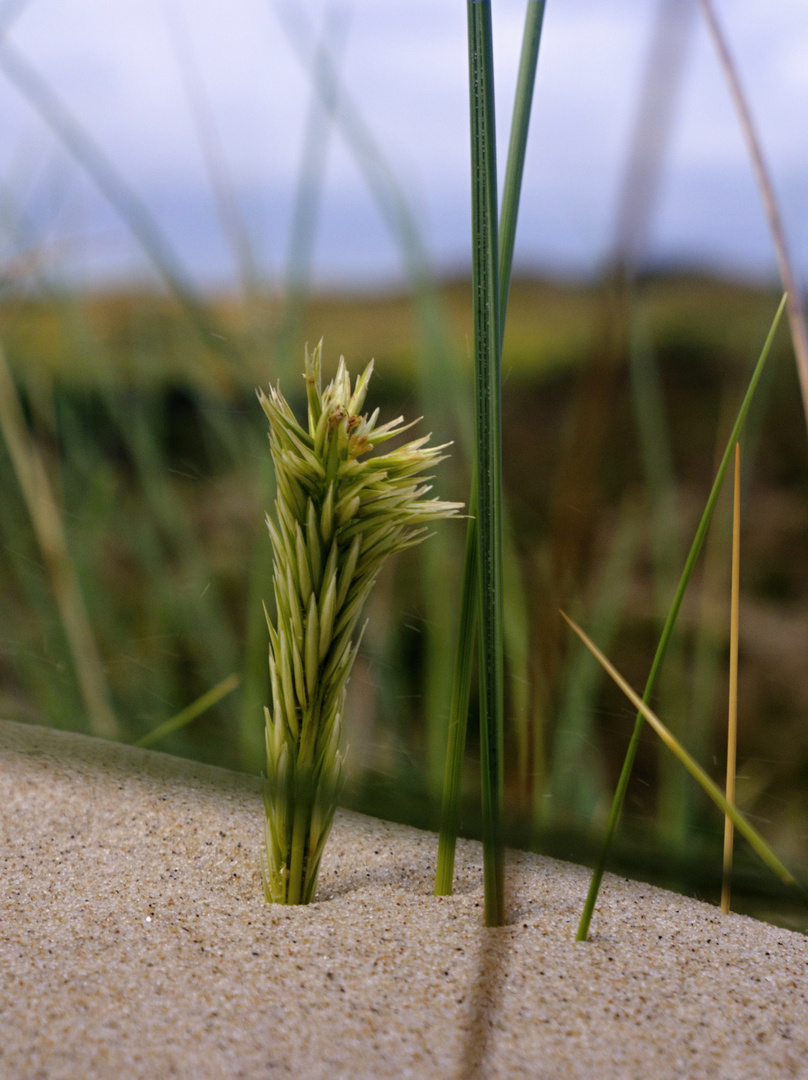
[338, 515]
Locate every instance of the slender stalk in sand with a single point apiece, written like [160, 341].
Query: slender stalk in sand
[732, 727]
[488, 391]
[461, 685]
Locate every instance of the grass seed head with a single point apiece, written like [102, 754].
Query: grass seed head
[340, 512]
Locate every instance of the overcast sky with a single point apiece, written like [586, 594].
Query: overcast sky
[132, 73]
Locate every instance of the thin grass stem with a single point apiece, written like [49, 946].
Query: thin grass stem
[47, 522]
[732, 724]
[578, 782]
[459, 708]
[485, 283]
[515, 616]
[517, 147]
[461, 685]
[191, 712]
[231, 220]
[667, 631]
[695, 770]
[785, 265]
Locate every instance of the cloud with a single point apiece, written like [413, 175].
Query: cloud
[116, 67]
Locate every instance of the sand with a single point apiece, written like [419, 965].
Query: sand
[135, 942]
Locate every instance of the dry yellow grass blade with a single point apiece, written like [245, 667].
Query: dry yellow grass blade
[785, 264]
[732, 726]
[695, 770]
[35, 486]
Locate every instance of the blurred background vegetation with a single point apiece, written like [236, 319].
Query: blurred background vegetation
[157, 459]
[135, 473]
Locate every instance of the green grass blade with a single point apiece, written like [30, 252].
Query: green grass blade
[516, 643]
[515, 615]
[485, 278]
[741, 824]
[191, 712]
[578, 784]
[459, 708]
[381, 179]
[667, 631]
[461, 686]
[515, 167]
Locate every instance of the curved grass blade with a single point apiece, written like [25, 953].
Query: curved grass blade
[578, 783]
[785, 264]
[233, 226]
[191, 712]
[517, 147]
[381, 179]
[667, 631]
[695, 770]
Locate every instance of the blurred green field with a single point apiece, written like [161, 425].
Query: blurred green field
[615, 402]
[145, 339]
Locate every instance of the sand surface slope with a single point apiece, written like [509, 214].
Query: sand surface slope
[135, 942]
